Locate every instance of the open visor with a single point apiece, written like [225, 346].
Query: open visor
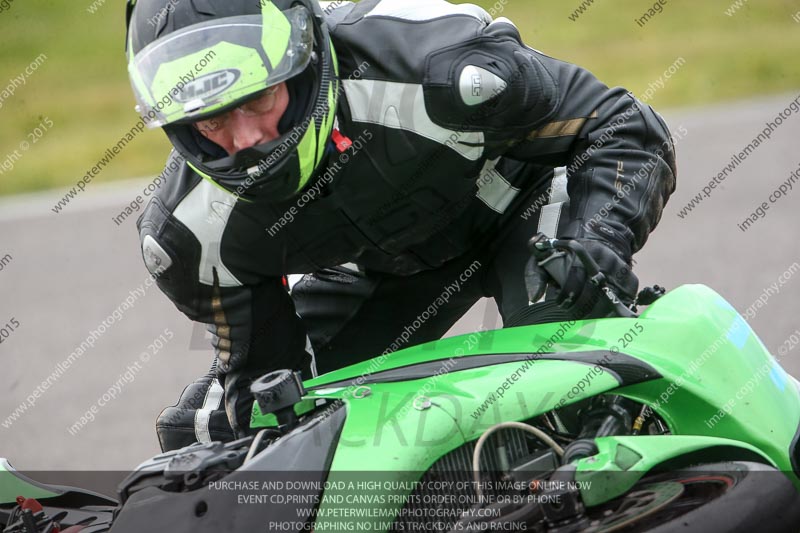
[202, 69]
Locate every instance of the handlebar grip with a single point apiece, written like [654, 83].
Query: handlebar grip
[543, 246]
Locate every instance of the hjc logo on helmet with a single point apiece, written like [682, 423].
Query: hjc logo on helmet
[208, 85]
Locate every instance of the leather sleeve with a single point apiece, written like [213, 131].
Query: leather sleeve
[255, 325]
[618, 152]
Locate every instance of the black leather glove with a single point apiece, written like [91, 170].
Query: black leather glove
[584, 298]
[198, 415]
[561, 277]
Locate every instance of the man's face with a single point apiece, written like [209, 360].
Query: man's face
[250, 124]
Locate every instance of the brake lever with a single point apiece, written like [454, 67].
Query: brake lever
[592, 268]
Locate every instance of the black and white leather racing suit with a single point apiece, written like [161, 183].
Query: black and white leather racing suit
[465, 143]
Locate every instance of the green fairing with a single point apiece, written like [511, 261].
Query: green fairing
[730, 364]
[691, 337]
[11, 486]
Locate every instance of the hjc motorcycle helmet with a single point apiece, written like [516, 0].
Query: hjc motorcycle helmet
[191, 60]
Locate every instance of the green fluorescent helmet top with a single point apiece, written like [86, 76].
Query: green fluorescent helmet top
[191, 60]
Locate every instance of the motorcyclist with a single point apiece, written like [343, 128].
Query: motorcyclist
[397, 154]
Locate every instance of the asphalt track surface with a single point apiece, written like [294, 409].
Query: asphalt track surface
[68, 272]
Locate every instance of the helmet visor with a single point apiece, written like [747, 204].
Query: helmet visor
[204, 68]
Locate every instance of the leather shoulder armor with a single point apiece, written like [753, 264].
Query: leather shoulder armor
[492, 83]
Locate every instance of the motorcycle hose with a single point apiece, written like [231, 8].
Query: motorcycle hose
[476, 454]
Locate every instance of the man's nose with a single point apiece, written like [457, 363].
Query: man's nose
[247, 131]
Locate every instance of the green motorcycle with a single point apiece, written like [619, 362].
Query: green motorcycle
[675, 419]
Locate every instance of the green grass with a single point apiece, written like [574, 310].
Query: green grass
[726, 57]
[83, 86]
